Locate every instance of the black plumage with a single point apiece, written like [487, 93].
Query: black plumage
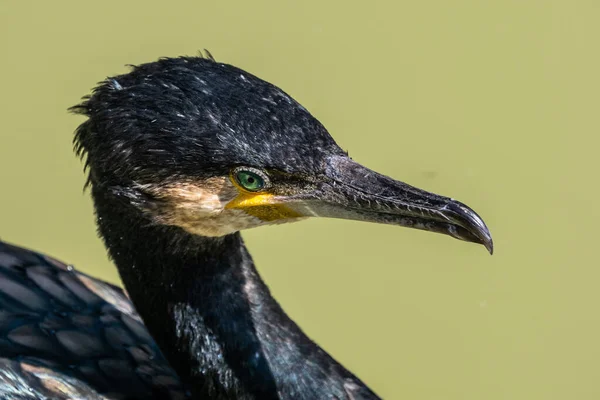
[163, 145]
[66, 335]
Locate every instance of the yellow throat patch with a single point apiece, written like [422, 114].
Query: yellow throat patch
[265, 206]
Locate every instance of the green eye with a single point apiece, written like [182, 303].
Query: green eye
[250, 180]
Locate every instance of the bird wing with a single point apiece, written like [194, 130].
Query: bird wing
[63, 330]
[20, 380]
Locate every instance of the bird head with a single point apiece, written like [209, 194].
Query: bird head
[212, 149]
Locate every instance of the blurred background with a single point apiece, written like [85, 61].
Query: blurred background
[494, 103]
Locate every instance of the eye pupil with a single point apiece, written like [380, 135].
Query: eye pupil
[250, 179]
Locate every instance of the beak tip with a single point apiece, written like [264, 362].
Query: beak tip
[485, 236]
[473, 224]
[489, 245]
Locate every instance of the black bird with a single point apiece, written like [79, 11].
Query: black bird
[182, 154]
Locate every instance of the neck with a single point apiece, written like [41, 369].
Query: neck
[213, 317]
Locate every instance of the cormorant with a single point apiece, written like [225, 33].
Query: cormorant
[182, 154]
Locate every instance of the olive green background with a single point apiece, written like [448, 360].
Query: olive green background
[495, 103]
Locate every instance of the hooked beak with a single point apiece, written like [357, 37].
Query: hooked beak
[351, 191]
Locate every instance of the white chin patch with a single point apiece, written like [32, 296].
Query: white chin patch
[224, 223]
[199, 207]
